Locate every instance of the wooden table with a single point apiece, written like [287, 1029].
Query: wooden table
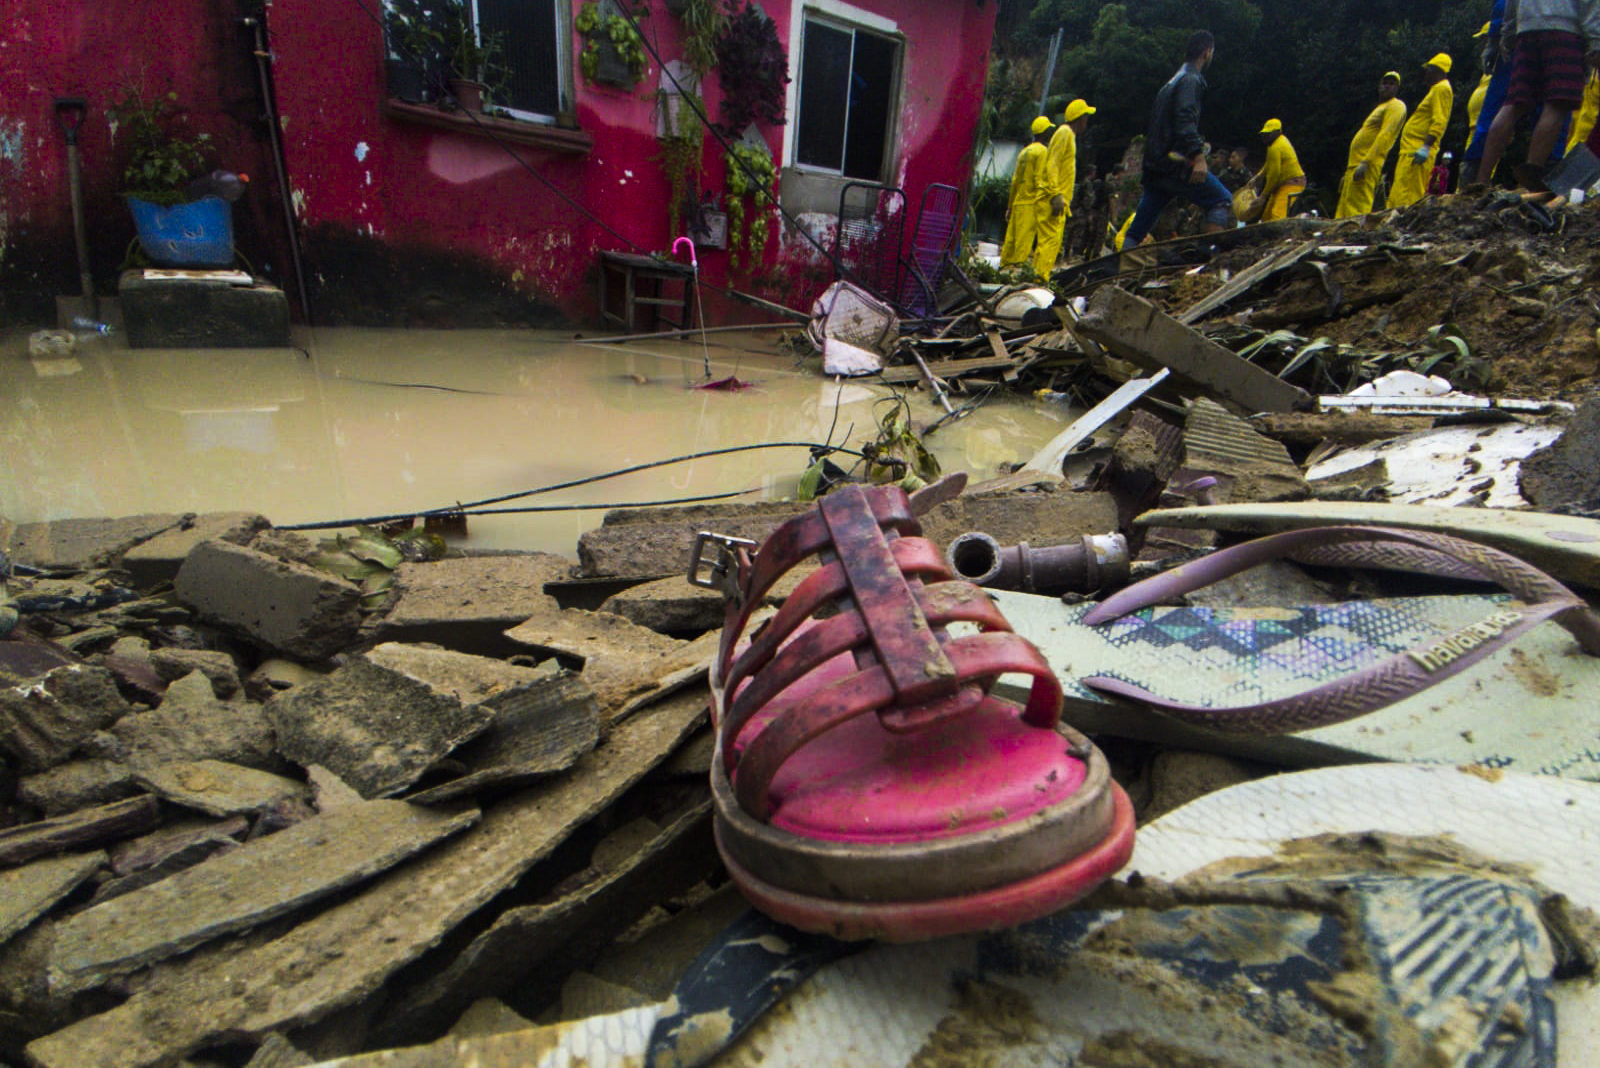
[644, 279]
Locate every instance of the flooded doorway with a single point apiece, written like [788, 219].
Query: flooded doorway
[362, 423]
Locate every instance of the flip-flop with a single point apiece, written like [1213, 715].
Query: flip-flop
[1420, 678]
[867, 784]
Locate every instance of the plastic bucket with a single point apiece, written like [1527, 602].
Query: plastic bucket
[196, 234]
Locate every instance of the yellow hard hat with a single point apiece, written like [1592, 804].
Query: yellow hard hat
[1442, 61]
[1390, 74]
[1271, 126]
[1077, 110]
[1040, 125]
[1483, 32]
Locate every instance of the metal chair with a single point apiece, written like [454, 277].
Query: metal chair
[867, 244]
[933, 245]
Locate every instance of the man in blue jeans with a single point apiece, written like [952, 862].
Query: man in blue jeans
[1175, 153]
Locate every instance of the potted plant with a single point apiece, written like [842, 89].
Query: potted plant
[473, 59]
[174, 229]
[613, 51]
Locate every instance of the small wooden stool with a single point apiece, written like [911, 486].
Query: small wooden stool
[643, 280]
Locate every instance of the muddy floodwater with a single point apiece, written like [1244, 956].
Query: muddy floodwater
[362, 422]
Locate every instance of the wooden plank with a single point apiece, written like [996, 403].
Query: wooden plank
[243, 989]
[904, 373]
[1135, 329]
[90, 826]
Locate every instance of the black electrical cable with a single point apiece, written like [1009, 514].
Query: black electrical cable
[458, 509]
[373, 520]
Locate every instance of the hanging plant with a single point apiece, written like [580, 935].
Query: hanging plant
[613, 51]
[682, 141]
[703, 22]
[753, 69]
[751, 183]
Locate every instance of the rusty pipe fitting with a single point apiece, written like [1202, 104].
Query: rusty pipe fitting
[1094, 562]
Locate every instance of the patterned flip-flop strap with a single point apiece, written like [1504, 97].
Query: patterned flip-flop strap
[1384, 683]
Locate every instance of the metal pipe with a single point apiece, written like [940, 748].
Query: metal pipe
[1094, 562]
[1050, 68]
[263, 57]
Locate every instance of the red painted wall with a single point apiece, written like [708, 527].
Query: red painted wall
[51, 48]
[400, 184]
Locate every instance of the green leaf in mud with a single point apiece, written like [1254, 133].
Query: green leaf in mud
[372, 546]
[806, 491]
[346, 566]
[419, 544]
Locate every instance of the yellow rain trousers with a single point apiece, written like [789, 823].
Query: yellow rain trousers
[1583, 119]
[1429, 120]
[1281, 178]
[1022, 224]
[1371, 146]
[1474, 109]
[1060, 179]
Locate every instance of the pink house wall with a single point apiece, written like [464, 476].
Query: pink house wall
[398, 186]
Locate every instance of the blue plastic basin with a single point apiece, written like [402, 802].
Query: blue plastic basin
[196, 234]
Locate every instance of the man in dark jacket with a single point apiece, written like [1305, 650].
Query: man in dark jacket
[1175, 153]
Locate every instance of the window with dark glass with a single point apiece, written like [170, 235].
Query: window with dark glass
[531, 34]
[848, 79]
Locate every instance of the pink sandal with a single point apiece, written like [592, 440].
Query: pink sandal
[946, 809]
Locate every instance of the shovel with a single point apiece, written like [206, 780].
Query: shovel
[70, 113]
[1576, 172]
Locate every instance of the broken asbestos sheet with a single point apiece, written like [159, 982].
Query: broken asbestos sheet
[1369, 915]
[1452, 466]
[1240, 656]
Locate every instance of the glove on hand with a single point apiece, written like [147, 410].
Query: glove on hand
[1421, 154]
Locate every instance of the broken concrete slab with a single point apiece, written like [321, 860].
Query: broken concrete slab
[1307, 429]
[217, 788]
[245, 988]
[83, 543]
[42, 723]
[283, 605]
[673, 607]
[538, 729]
[157, 560]
[219, 667]
[1252, 466]
[1135, 329]
[87, 827]
[1566, 473]
[77, 784]
[328, 791]
[652, 543]
[1042, 518]
[263, 879]
[191, 724]
[377, 729]
[621, 660]
[25, 657]
[511, 954]
[168, 851]
[467, 603]
[276, 1051]
[26, 893]
[468, 678]
[154, 848]
[275, 675]
[489, 1016]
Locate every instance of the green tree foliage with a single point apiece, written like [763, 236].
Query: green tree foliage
[1315, 65]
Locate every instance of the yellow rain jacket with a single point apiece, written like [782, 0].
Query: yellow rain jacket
[1022, 223]
[1060, 180]
[1371, 146]
[1474, 109]
[1281, 177]
[1429, 120]
[1583, 119]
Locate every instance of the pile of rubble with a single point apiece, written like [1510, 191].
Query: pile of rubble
[254, 812]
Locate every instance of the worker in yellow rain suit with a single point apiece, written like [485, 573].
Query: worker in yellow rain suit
[1060, 182]
[1419, 140]
[1023, 209]
[1369, 149]
[1583, 119]
[1281, 176]
[1475, 101]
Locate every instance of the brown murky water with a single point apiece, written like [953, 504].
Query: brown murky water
[373, 422]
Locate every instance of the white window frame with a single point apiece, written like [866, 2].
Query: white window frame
[846, 17]
[565, 90]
